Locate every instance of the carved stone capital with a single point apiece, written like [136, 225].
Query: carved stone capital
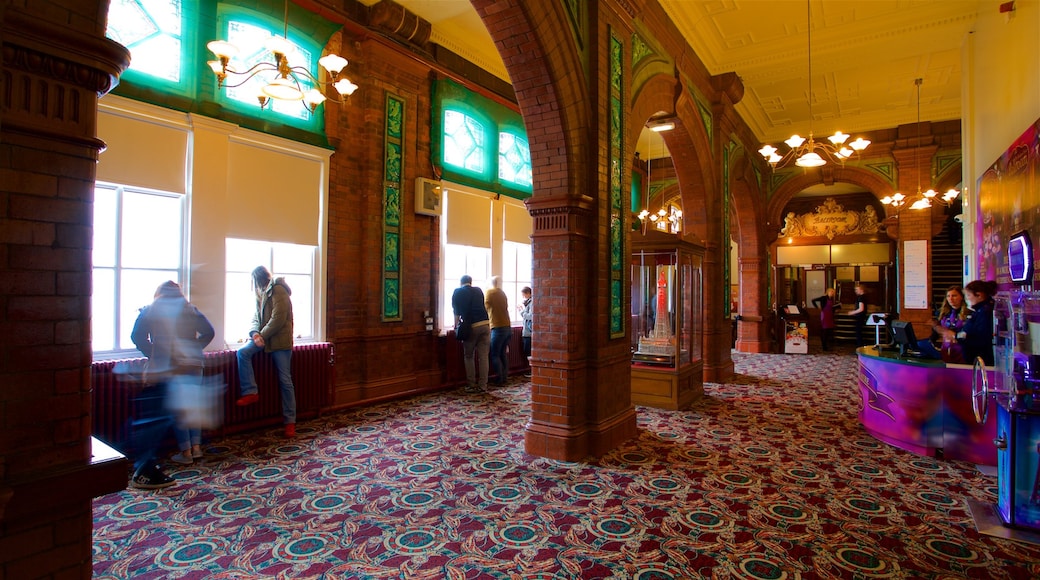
[556, 215]
[54, 76]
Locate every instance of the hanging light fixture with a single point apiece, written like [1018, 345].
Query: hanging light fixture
[810, 152]
[923, 199]
[289, 82]
[666, 217]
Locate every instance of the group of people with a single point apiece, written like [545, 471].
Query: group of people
[172, 334]
[490, 329]
[829, 306]
[963, 328]
[961, 331]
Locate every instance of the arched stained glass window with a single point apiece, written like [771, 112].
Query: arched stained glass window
[464, 142]
[250, 40]
[151, 30]
[514, 159]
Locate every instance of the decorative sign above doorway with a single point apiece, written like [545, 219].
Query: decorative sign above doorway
[830, 219]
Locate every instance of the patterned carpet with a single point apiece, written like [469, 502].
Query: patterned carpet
[769, 476]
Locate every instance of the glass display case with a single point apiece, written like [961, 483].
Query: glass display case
[667, 286]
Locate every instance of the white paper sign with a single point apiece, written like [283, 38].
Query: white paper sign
[915, 274]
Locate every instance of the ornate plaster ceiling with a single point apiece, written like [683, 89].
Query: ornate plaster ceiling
[865, 56]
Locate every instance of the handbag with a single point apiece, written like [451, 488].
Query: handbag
[463, 329]
[196, 401]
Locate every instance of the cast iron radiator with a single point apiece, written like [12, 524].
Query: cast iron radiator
[456, 369]
[113, 383]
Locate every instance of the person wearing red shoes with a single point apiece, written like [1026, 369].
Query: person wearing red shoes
[272, 332]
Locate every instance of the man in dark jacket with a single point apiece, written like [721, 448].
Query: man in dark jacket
[468, 304]
[272, 332]
[171, 333]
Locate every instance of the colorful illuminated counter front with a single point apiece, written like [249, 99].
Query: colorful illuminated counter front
[923, 406]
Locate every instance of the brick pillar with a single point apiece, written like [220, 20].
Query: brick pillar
[581, 401]
[718, 330]
[56, 63]
[914, 225]
[753, 325]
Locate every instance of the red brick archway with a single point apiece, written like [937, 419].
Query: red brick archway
[581, 387]
[867, 179]
[752, 268]
[693, 158]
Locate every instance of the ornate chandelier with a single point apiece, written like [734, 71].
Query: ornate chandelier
[810, 152]
[288, 83]
[923, 199]
[666, 218]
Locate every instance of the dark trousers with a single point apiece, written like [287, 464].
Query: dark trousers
[860, 323]
[150, 425]
[826, 338]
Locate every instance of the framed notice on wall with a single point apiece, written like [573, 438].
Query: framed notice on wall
[915, 274]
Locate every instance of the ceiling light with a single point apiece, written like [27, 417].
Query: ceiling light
[287, 83]
[810, 152]
[661, 124]
[923, 199]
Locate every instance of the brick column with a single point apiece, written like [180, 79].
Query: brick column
[753, 326]
[56, 63]
[581, 401]
[912, 168]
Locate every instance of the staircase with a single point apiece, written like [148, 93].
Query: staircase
[947, 261]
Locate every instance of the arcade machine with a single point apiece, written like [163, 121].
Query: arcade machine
[1016, 394]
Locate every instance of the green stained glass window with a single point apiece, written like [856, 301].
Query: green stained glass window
[464, 142]
[250, 40]
[514, 160]
[151, 31]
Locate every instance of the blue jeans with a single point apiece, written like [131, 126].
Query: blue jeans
[283, 363]
[499, 359]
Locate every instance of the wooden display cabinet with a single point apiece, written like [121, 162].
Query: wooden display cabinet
[667, 286]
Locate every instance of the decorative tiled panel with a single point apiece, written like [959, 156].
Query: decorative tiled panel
[393, 171]
[617, 217]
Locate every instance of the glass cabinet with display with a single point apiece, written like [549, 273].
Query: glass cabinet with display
[667, 366]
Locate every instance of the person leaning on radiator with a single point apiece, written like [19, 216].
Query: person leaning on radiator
[272, 332]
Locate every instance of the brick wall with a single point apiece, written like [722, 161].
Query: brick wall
[48, 153]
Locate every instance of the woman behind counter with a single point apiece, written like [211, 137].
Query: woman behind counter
[952, 316]
[976, 335]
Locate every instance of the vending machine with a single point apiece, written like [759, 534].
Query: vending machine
[1015, 396]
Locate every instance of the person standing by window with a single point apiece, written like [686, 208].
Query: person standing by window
[171, 333]
[271, 332]
[497, 305]
[468, 304]
[859, 313]
[527, 316]
[827, 305]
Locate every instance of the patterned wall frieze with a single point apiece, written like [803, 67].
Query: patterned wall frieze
[640, 50]
[576, 12]
[616, 158]
[647, 58]
[945, 160]
[393, 172]
[886, 169]
[629, 8]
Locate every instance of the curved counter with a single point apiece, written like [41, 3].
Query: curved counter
[923, 406]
